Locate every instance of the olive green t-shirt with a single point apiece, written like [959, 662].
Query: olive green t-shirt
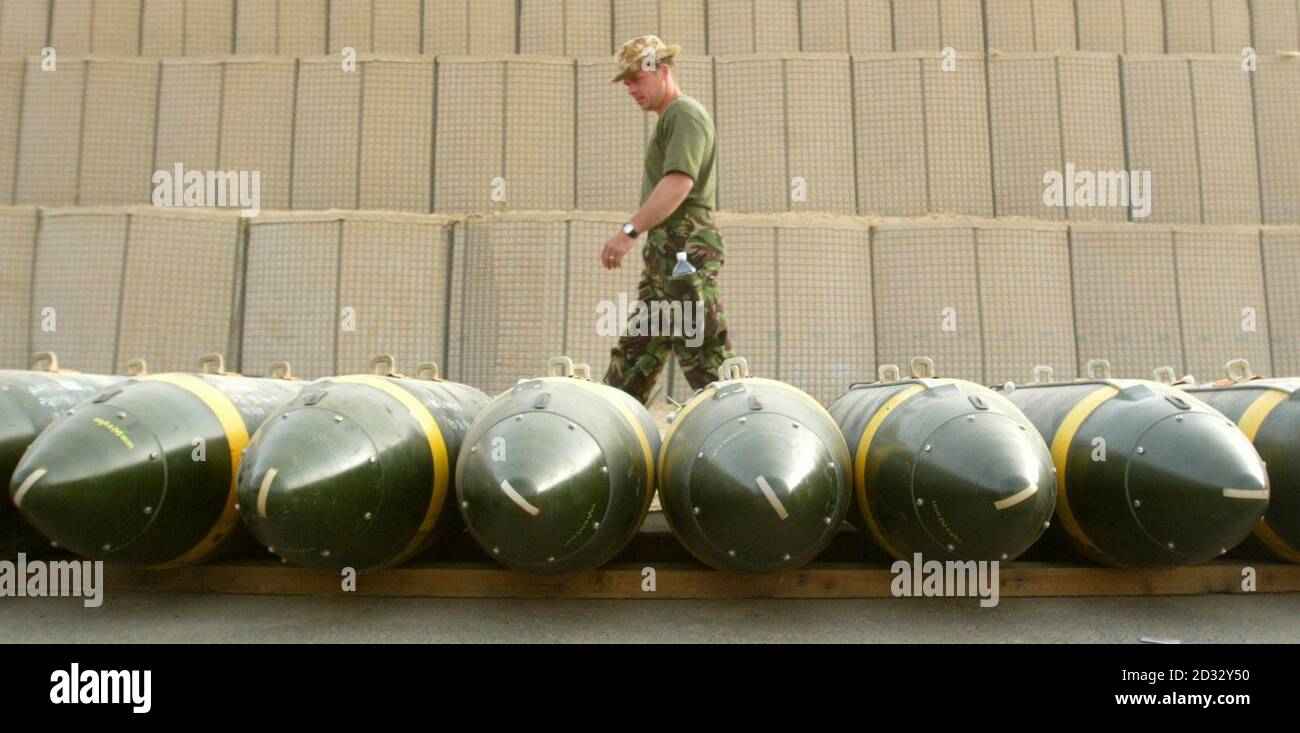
[683, 141]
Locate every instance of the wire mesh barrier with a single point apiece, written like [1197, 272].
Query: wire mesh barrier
[1222, 306]
[927, 25]
[1277, 120]
[1275, 24]
[1207, 26]
[594, 27]
[1121, 26]
[328, 290]
[1126, 297]
[846, 26]
[375, 26]
[17, 248]
[752, 26]
[1031, 25]
[814, 299]
[171, 28]
[281, 27]
[1281, 254]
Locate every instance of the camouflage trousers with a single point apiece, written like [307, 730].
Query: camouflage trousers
[683, 315]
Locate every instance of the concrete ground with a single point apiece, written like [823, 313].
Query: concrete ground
[219, 619]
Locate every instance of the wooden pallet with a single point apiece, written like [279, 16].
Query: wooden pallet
[686, 580]
[849, 568]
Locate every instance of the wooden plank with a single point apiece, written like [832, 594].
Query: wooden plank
[682, 581]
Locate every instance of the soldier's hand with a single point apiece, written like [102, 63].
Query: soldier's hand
[618, 245]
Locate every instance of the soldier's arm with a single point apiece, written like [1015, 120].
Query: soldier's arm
[668, 194]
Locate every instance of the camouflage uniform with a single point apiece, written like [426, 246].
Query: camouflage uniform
[685, 142]
[635, 364]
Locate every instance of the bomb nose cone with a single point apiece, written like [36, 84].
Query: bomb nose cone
[764, 493]
[310, 486]
[983, 487]
[92, 482]
[533, 492]
[1196, 485]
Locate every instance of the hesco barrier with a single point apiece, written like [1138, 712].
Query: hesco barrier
[1213, 26]
[187, 28]
[24, 26]
[789, 162]
[566, 27]
[745, 26]
[364, 140]
[114, 284]
[1030, 25]
[281, 27]
[924, 25]
[925, 133]
[504, 136]
[1222, 305]
[576, 27]
[11, 96]
[815, 300]
[680, 21]
[862, 26]
[86, 26]
[1276, 24]
[328, 290]
[1122, 26]
[1281, 269]
[1277, 120]
[923, 143]
[17, 237]
[1126, 295]
[1049, 111]
[375, 27]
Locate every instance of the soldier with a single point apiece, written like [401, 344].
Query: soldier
[677, 200]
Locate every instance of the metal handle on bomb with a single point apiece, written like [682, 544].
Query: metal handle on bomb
[281, 370]
[737, 367]
[922, 367]
[430, 369]
[48, 358]
[388, 364]
[1238, 370]
[559, 366]
[1098, 369]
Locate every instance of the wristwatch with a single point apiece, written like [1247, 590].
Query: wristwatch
[630, 230]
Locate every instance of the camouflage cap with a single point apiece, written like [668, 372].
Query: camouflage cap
[642, 52]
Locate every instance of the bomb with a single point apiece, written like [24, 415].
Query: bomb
[945, 468]
[556, 475]
[754, 474]
[1268, 412]
[1147, 475]
[356, 471]
[144, 472]
[30, 400]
